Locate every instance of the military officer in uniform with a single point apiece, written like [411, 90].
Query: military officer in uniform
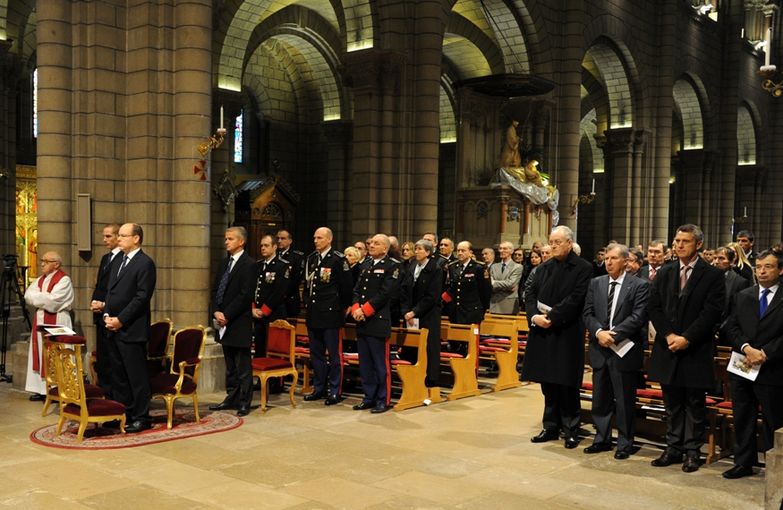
[469, 288]
[297, 260]
[328, 293]
[271, 287]
[379, 280]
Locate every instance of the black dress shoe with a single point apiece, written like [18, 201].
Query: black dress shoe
[544, 436]
[571, 442]
[222, 406]
[243, 410]
[667, 458]
[738, 472]
[361, 406]
[313, 396]
[113, 424]
[138, 426]
[332, 400]
[35, 397]
[598, 448]
[691, 463]
[622, 454]
[379, 408]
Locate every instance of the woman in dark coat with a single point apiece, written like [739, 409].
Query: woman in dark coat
[420, 299]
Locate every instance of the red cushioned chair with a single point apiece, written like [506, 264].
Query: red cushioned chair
[74, 403]
[279, 360]
[160, 331]
[52, 394]
[181, 380]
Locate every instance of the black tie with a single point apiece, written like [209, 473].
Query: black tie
[221, 290]
[503, 268]
[610, 302]
[124, 263]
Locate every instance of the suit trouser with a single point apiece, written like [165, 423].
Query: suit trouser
[239, 375]
[561, 408]
[328, 372]
[260, 331]
[614, 394]
[746, 397]
[129, 378]
[102, 357]
[374, 369]
[686, 415]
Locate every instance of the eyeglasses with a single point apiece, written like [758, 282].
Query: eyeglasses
[47, 261]
[557, 242]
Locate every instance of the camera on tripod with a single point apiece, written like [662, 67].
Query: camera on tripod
[9, 291]
[9, 262]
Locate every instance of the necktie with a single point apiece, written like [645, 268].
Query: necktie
[503, 268]
[684, 277]
[653, 271]
[124, 263]
[221, 290]
[610, 302]
[763, 303]
[108, 262]
[417, 272]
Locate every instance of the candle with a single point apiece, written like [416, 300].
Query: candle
[592, 189]
[742, 33]
[745, 212]
[221, 117]
[768, 47]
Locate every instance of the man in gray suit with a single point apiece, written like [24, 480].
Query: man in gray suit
[614, 314]
[505, 276]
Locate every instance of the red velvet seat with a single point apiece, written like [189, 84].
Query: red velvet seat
[181, 380]
[97, 407]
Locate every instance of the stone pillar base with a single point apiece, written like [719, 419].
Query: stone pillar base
[773, 497]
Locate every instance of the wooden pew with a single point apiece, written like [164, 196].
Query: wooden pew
[414, 391]
[463, 367]
[503, 345]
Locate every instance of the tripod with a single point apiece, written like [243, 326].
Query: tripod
[9, 285]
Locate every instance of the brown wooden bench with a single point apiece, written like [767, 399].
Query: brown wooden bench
[500, 341]
[462, 367]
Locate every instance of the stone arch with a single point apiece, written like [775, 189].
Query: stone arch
[746, 135]
[688, 108]
[604, 62]
[465, 58]
[587, 128]
[496, 20]
[447, 116]
[459, 26]
[238, 20]
[360, 18]
[20, 26]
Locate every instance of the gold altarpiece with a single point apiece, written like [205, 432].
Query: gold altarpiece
[27, 219]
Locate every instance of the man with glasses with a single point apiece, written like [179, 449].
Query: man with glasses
[52, 296]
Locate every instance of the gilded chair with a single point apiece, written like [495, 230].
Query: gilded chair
[74, 403]
[280, 359]
[181, 380]
[50, 372]
[160, 331]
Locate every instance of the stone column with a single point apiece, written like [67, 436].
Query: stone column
[773, 476]
[618, 160]
[9, 71]
[339, 182]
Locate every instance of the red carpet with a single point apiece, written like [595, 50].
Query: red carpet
[104, 438]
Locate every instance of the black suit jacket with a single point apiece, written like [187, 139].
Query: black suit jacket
[128, 297]
[237, 301]
[292, 298]
[272, 287]
[328, 289]
[766, 333]
[377, 285]
[422, 296]
[630, 315]
[105, 270]
[695, 315]
[468, 292]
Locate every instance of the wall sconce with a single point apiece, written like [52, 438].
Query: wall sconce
[583, 199]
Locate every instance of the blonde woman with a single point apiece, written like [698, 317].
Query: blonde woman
[742, 265]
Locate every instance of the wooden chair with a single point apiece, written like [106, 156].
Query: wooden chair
[501, 342]
[52, 394]
[411, 375]
[160, 331]
[302, 352]
[74, 404]
[463, 367]
[181, 380]
[280, 359]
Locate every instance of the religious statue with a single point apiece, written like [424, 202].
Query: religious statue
[509, 156]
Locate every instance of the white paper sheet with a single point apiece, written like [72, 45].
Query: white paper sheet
[739, 366]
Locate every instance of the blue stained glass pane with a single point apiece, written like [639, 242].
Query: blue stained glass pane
[239, 137]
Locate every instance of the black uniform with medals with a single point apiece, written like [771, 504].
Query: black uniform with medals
[271, 287]
[293, 300]
[468, 292]
[327, 295]
[378, 283]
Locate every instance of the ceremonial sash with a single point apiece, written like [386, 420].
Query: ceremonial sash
[48, 318]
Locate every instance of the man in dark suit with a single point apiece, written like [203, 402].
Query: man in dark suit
[110, 262]
[328, 294]
[755, 328]
[233, 320]
[686, 301]
[555, 355]
[745, 239]
[378, 282]
[420, 300]
[296, 258]
[127, 316]
[656, 255]
[614, 315]
[272, 284]
[469, 288]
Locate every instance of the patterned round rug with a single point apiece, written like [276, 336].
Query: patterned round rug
[101, 438]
